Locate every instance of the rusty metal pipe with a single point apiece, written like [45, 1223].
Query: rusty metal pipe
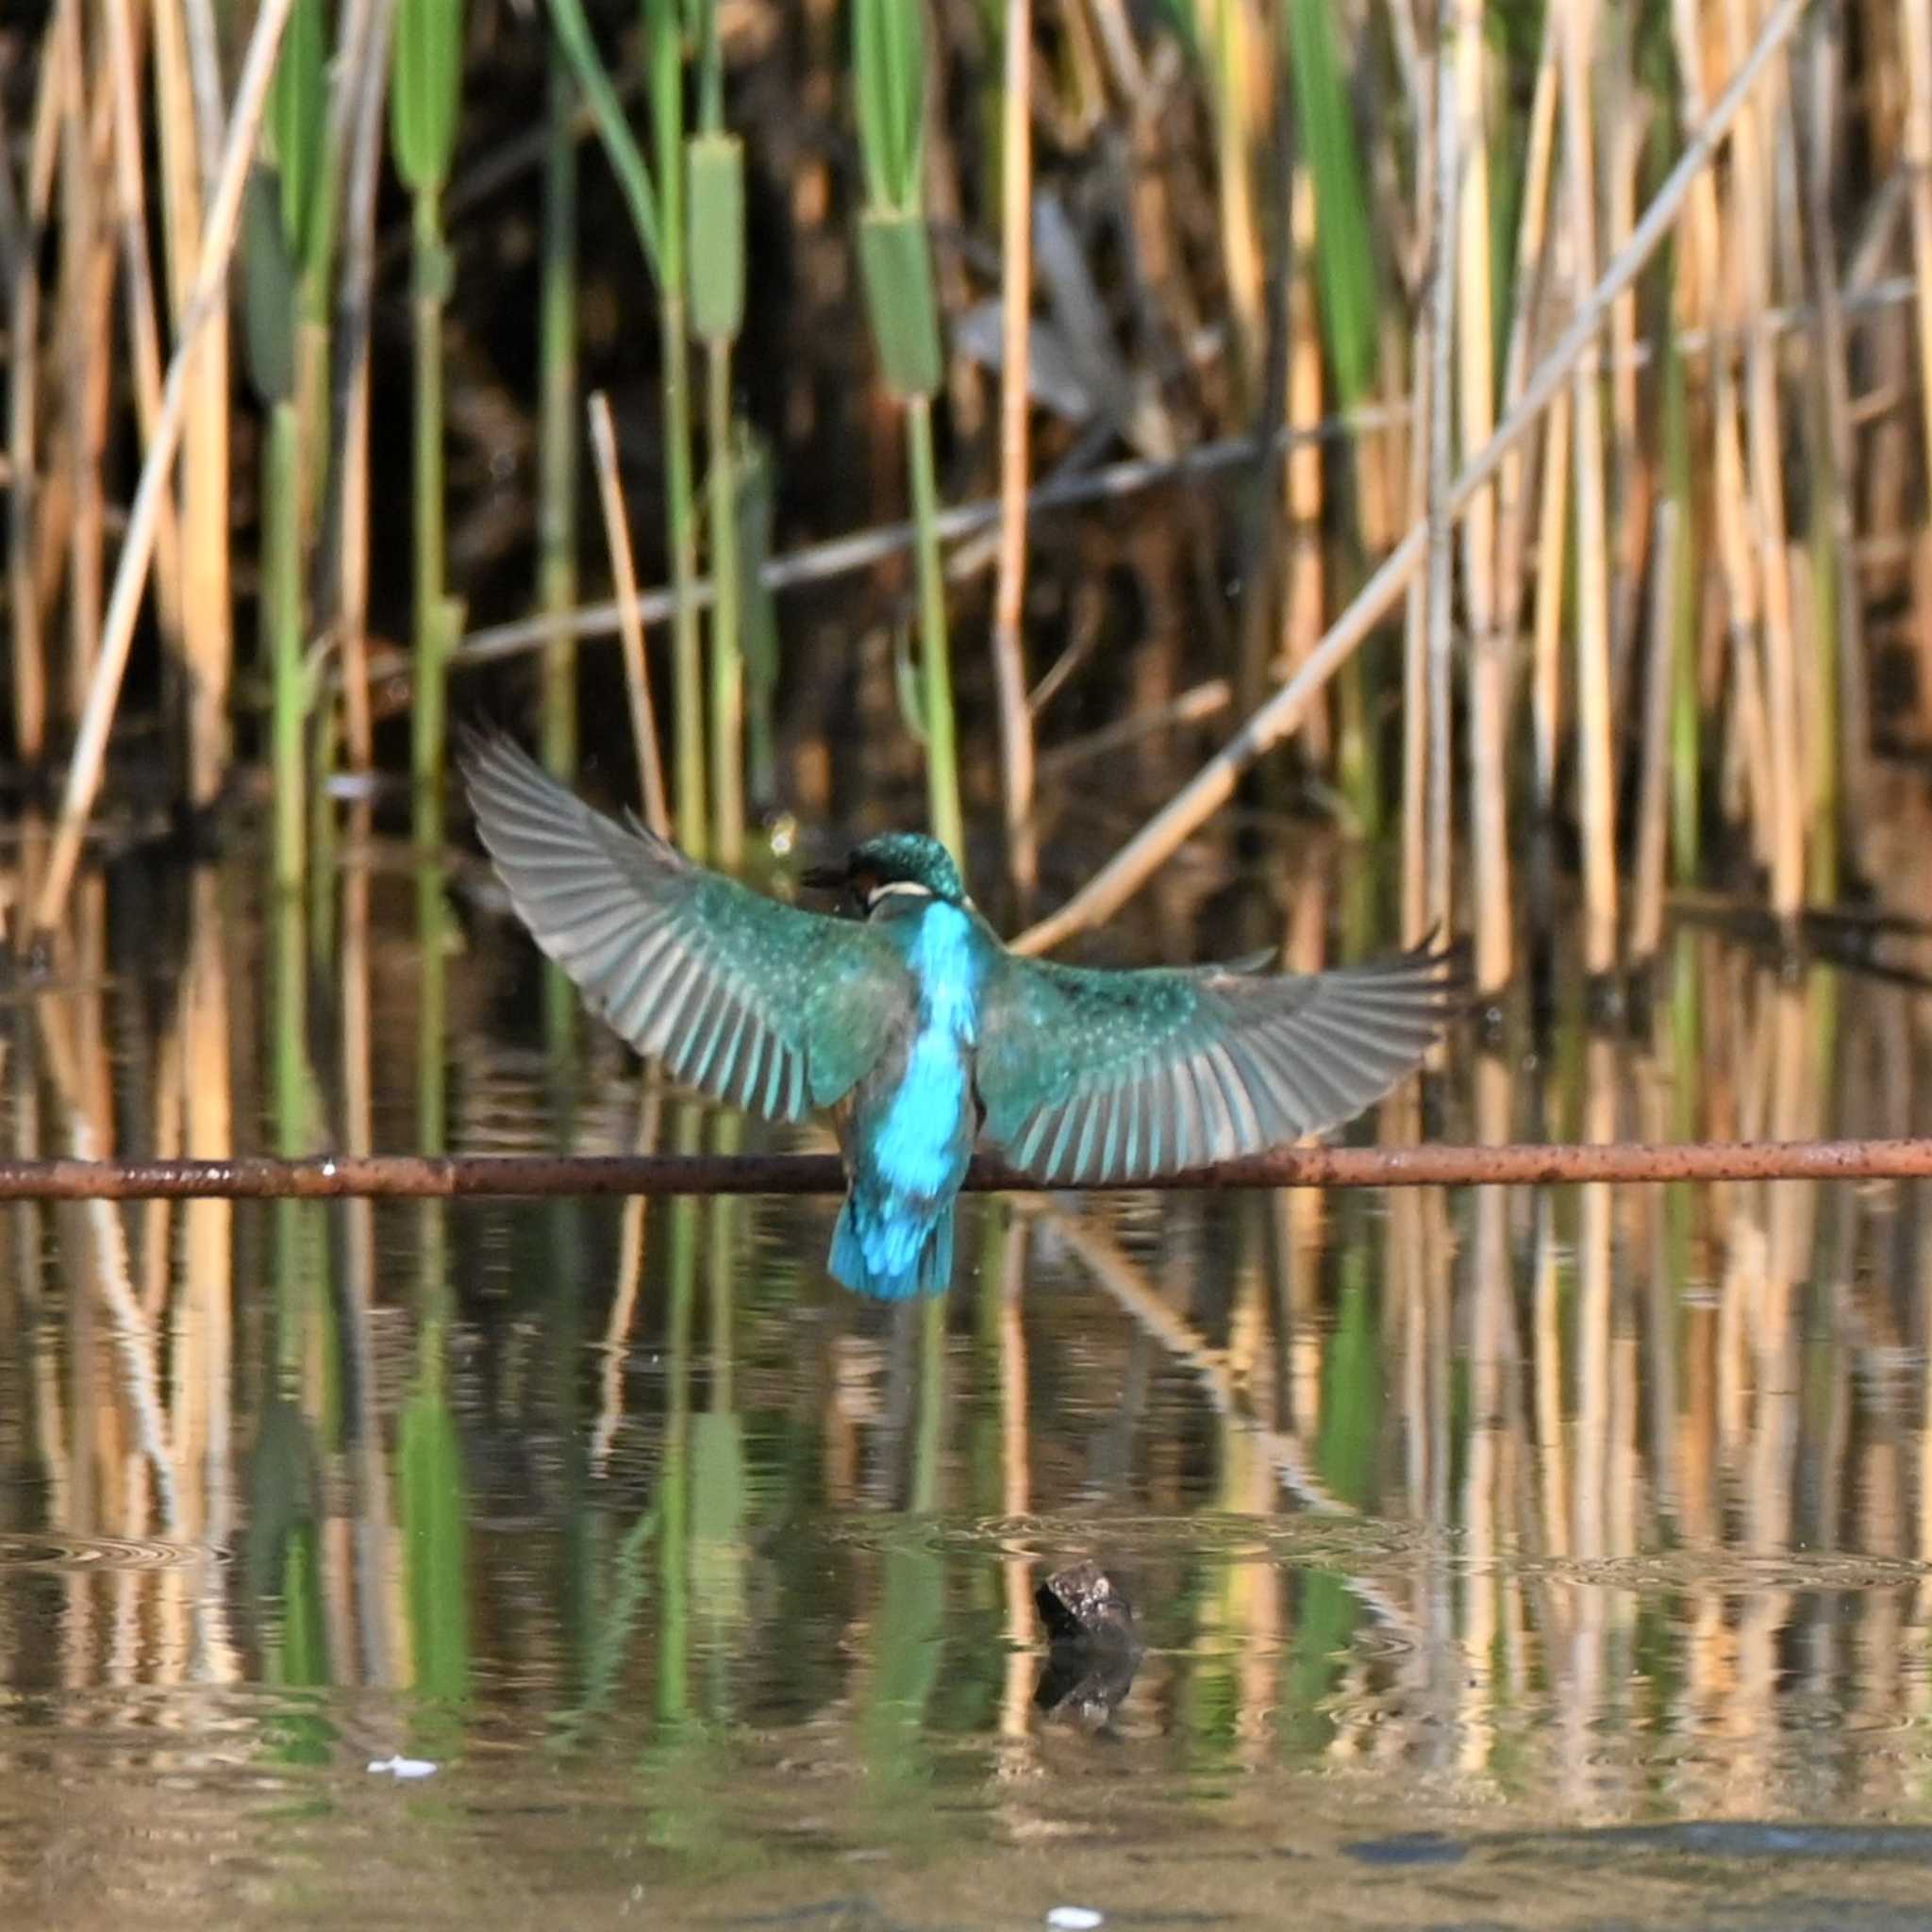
[412, 1177]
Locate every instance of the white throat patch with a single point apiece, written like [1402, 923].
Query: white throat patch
[896, 889]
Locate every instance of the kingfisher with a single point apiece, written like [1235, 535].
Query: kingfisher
[917, 1029]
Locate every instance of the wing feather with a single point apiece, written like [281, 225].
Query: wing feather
[1101, 1076]
[746, 998]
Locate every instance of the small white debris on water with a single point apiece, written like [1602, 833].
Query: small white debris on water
[1074, 1919]
[423, 1767]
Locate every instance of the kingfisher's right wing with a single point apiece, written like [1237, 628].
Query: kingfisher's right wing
[1091, 1076]
[760, 1004]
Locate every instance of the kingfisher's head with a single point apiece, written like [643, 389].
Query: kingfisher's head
[894, 867]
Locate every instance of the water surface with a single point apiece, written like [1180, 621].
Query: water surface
[1541, 1559]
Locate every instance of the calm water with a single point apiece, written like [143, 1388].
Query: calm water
[1538, 1559]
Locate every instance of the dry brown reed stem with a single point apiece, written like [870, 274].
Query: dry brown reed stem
[144, 325]
[1211, 787]
[30, 693]
[636, 672]
[187, 141]
[137, 550]
[1915, 26]
[1230, 39]
[1751, 175]
[1304, 595]
[1016, 314]
[1702, 284]
[81, 353]
[454, 1176]
[1595, 771]
[1476, 396]
[1546, 640]
[1415, 672]
[1513, 484]
[1446, 178]
[1653, 802]
[1847, 618]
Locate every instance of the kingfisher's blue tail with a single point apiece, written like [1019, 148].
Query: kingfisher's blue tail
[894, 1248]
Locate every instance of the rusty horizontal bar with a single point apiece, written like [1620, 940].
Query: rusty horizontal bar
[407, 1176]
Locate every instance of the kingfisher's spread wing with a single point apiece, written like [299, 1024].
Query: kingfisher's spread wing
[1091, 1076]
[757, 1003]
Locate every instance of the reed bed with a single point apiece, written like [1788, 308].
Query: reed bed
[1613, 364]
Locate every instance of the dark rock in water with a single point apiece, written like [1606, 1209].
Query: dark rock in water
[1086, 1680]
[1084, 1601]
[1094, 1647]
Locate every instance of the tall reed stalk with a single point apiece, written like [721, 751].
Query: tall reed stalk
[658, 212]
[188, 128]
[1594, 723]
[1347, 295]
[888, 48]
[714, 177]
[557, 415]
[664, 77]
[1476, 336]
[1016, 328]
[422, 128]
[286, 243]
[556, 481]
[1685, 752]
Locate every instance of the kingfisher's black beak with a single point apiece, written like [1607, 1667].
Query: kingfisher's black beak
[826, 878]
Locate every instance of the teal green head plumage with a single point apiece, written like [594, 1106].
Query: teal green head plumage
[916, 1029]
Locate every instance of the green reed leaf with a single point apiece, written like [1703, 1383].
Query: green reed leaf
[297, 119]
[1344, 265]
[268, 289]
[429, 64]
[896, 260]
[889, 54]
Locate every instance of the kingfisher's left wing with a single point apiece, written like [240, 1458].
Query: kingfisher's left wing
[764, 1005]
[1089, 1076]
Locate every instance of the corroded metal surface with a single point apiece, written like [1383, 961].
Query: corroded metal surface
[418, 1176]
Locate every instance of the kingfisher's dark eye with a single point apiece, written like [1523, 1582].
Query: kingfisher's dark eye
[864, 884]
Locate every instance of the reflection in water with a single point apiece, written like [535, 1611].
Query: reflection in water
[1496, 1537]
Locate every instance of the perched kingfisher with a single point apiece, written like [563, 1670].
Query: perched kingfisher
[919, 1031]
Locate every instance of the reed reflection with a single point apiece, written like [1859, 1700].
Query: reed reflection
[1611, 1497]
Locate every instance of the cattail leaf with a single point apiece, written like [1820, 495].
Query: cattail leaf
[627, 160]
[889, 57]
[715, 174]
[423, 88]
[296, 114]
[896, 260]
[1345, 263]
[269, 289]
